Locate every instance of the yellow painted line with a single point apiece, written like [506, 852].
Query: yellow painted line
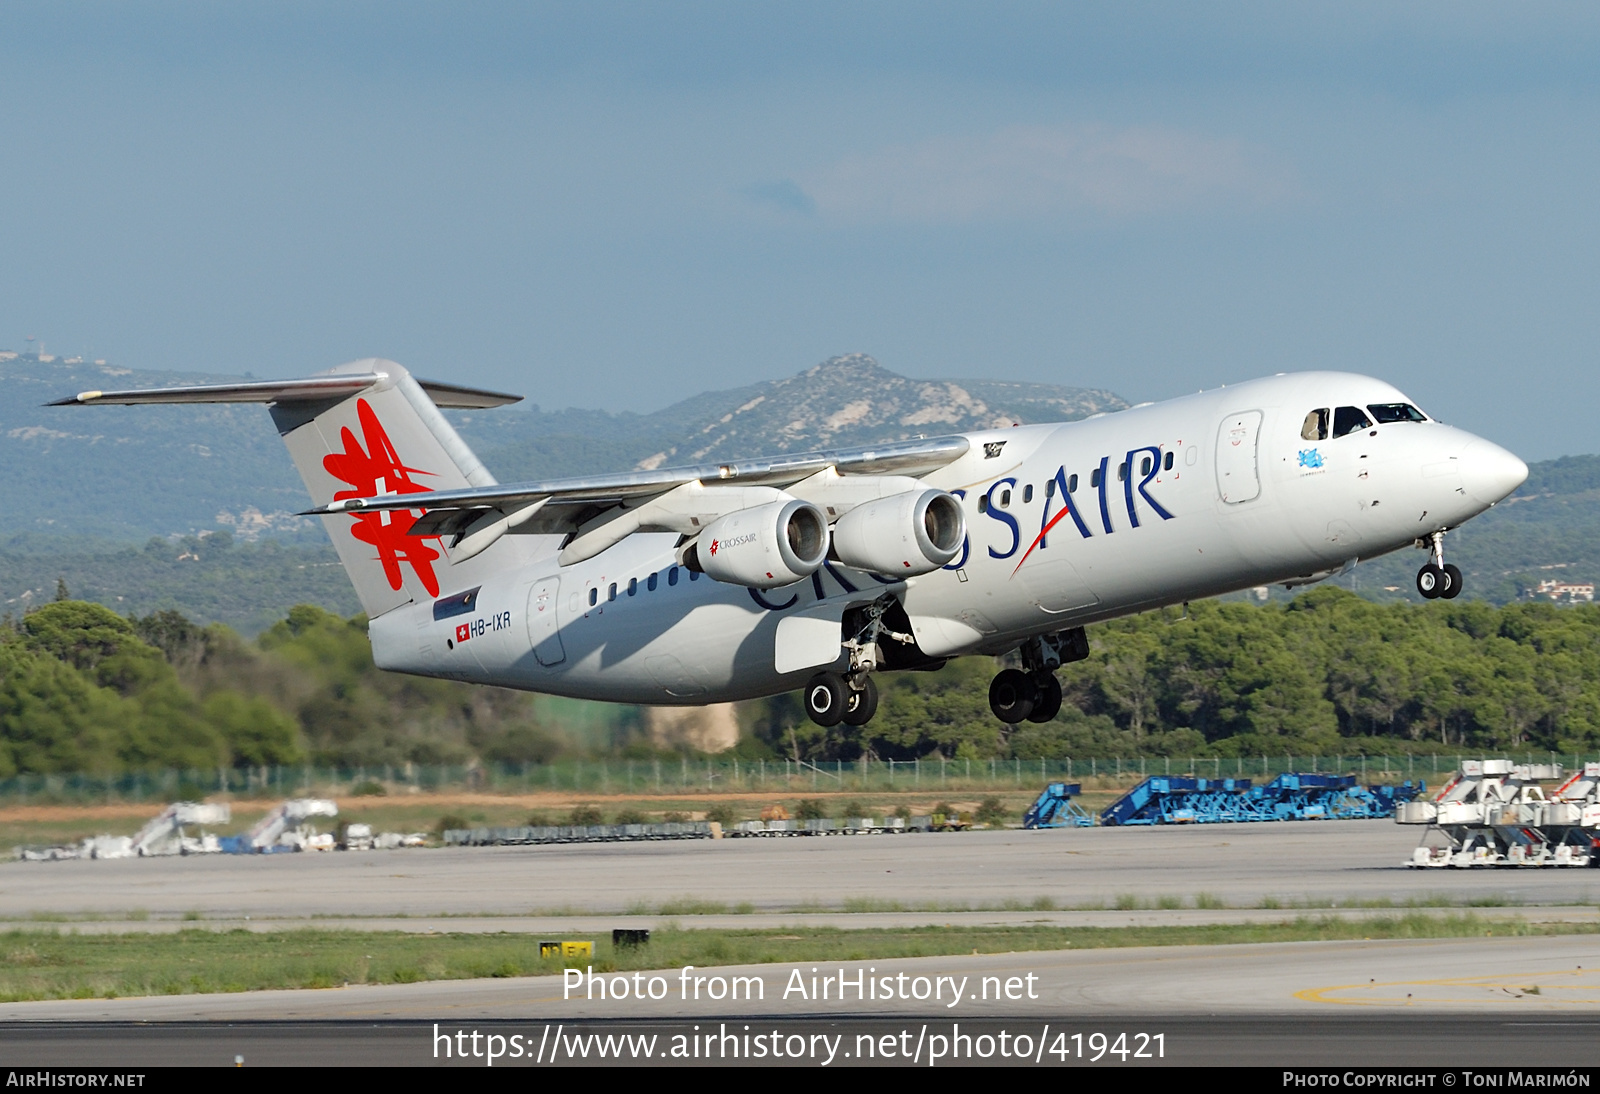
[1509, 986]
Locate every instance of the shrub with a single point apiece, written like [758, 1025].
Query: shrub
[585, 814]
[903, 812]
[537, 819]
[674, 817]
[810, 809]
[992, 812]
[721, 813]
[449, 821]
[372, 788]
[630, 816]
[853, 808]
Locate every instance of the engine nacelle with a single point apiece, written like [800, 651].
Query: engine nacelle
[902, 535]
[764, 546]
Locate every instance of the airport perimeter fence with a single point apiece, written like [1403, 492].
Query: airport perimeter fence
[700, 776]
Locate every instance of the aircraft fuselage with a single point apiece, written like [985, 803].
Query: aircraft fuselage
[1067, 524]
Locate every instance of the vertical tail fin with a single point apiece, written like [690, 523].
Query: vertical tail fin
[367, 429]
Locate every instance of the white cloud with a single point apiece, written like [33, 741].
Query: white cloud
[1030, 172]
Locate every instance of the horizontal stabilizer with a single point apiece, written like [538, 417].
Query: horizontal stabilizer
[310, 389]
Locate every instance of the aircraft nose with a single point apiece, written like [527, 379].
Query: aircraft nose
[1489, 472]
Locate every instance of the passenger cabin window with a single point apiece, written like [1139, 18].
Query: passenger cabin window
[1316, 426]
[1094, 479]
[1005, 499]
[1166, 464]
[1348, 419]
[650, 583]
[1144, 466]
[1072, 485]
[594, 597]
[1385, 413]
[1122, 470]
[1050, 489]
[1027, 493]
[983, 503]
[633, 586]
[672, 576]
[611, 594]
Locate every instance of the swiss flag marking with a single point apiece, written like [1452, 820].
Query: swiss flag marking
[463, 632]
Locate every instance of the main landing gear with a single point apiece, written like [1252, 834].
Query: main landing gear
[1032, 693]
[851, 697]
[1438, 578]
[832, 698]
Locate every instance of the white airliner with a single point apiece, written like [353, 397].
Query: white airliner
[736, 580]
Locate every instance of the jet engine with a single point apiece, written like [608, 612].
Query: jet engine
[901, 535]
[764, 546]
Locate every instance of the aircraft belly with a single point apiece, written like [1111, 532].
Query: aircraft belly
[715, 651]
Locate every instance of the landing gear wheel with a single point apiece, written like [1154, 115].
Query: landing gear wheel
[862, 704]
[826, 698]
[1454, 580]
[1012, 696]
[1431, 581]
[1048, 704]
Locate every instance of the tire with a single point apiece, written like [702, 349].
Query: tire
[1012, 695]
[1048, 704]
[1452, 574]
[1430, 581]
[860, 706]
[825, 698]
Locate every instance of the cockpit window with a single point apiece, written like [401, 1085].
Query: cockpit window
[1316, 426]
[1348, 419]
[1396, 412]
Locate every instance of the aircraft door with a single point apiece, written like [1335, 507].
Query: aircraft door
[1238, 477]
[543, 629]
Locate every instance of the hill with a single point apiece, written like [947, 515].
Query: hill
[128, 473]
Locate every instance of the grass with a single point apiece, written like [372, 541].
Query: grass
[44, 964]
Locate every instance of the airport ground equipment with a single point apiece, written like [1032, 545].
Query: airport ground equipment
[1056, 809]
[582, 833]
[1187, 799]
[283, 829]
[1498, 813]
[163, 834]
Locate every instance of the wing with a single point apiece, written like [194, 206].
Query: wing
[597, 512]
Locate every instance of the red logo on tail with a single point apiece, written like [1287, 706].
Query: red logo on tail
[376, 472]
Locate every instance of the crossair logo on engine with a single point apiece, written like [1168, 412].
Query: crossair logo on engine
[736, 541]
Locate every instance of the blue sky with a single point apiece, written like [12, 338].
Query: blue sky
[621, 205]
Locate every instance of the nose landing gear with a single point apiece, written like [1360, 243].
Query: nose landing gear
[1438, 578]
[1032, 693]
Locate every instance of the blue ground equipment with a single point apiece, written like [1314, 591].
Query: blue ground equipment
[1186, 799]
[1056, 809]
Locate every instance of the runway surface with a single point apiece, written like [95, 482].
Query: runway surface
[1238, 866]
[1454, 1002]
[1343, 1050]
[596, 926]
